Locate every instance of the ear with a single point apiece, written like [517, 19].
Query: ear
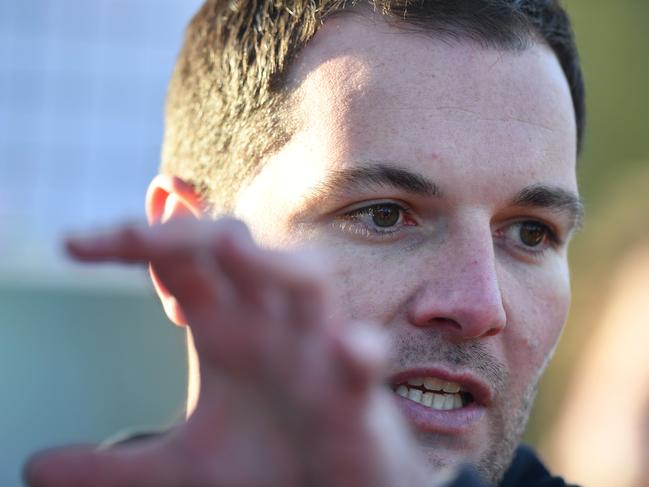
[170, 197]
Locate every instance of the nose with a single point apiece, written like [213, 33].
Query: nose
[461, 292]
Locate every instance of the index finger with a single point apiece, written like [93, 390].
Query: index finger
[141, 243]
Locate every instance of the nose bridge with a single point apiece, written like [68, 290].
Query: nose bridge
[463, 290]
[476, 281]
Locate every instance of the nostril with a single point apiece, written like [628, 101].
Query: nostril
[441, 321]
[493, 331]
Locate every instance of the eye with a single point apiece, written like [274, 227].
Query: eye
[378, 219]
[530, 236]
[532, 233]
[385, 215]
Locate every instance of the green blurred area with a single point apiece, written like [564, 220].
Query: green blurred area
[613, 38]
[80, 364]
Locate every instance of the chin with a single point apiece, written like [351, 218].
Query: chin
[489, 457]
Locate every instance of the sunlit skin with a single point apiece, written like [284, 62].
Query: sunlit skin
[435, 182]
[458, 266]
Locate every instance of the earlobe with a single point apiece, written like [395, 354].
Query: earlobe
[170, 197]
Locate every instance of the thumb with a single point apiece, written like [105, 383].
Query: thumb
[85, 465]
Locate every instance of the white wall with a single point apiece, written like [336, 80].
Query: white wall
[82, 85]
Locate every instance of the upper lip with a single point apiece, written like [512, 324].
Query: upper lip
[481, 392]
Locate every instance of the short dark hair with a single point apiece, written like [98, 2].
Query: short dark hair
[228, 105]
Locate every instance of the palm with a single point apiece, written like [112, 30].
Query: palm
[284, 396]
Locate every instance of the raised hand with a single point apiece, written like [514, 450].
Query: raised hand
[290, 393]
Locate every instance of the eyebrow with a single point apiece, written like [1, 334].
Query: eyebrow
[371, 175]
[554, 198]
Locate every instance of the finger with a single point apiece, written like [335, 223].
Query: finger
[181, 253]
[240, 261]
[257, 274]
[138, 242]
[223, 331]
[206, 299]
[129, 243]
[193, 283]
[362, 352]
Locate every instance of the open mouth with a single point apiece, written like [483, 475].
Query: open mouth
[434, 393]
[440, 400]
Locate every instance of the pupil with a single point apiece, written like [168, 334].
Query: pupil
[385, 215]
[532, 234]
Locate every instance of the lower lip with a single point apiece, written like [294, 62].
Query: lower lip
[450, 422]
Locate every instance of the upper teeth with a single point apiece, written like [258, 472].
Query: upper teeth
[435, 384]
[449, 399]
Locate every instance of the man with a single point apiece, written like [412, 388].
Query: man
[407, 173]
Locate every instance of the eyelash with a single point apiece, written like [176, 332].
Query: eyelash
[550, 239]
[349, 222]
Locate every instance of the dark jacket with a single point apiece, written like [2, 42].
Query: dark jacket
[526, 470]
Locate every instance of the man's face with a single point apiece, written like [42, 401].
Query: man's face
[439, 178]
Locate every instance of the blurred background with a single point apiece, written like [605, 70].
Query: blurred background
[86, 353]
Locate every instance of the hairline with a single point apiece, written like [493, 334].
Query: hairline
[290, 88]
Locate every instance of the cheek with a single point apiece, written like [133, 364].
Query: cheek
[369, 284]
[537, 306]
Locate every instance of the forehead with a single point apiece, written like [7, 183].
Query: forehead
[453, 110]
